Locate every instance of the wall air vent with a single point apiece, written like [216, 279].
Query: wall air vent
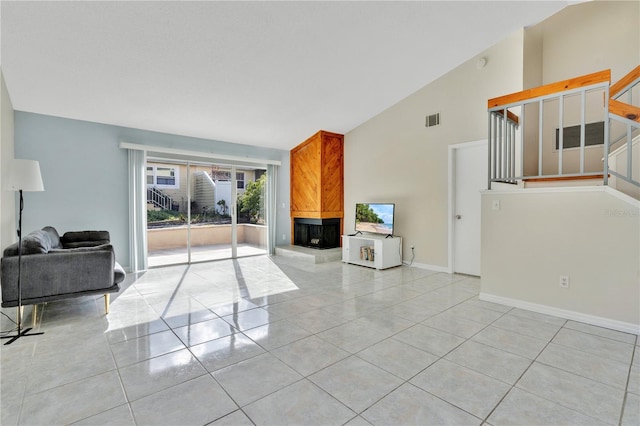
[432, 120]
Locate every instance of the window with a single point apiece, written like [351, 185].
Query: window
[163, 176]
[240, 180]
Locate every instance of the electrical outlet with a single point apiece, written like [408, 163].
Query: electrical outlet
[564, 281]
[284, 237]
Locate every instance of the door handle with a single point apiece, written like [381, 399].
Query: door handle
[458, 216]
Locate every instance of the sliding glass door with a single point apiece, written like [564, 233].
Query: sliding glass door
[201, 211]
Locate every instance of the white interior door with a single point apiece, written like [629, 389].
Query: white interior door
[470, 177]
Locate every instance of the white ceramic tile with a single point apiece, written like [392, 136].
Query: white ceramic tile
[74, 401]
[473, 392]
[250, 319]
[145, 347]
[586, 396]
[317, 320]
[398, 358]
[279, 333]
[354, 310]
[155, 374]
[584, 364]
[355, 382]
[255, 378]
[118, 416]
[409, 405]
[429, 339]
[201, 332]
[634, 379]
[523, 313]
[137, 329]
[510, 341]
[47, 372]
[453, 324]
[487, 360]
[631, 415]
[198, 401]
[309, 355]
[474, 313]
[596, 345]
[602, 332]
[352, 337]
[527, 327]
[225, 351]
[237, 418]
[301, 403]
[525, 409]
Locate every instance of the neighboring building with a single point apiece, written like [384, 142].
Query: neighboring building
[169, 184]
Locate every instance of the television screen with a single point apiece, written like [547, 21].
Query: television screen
[375, 218]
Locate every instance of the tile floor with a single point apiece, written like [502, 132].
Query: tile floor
[266, 340]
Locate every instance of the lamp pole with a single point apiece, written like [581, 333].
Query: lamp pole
[24, 175]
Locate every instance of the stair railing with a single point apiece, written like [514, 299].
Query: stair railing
[506, 128]
[627, 114]
[158, 198]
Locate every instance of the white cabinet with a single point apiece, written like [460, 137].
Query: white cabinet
[372, 251]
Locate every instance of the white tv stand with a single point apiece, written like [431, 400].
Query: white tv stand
[373, 251]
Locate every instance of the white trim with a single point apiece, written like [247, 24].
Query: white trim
[435, 268]
[553, 189]
[208, 155]
[451, 195]
[625, 327]
[622, 196]
[566, 189]
[155, 184]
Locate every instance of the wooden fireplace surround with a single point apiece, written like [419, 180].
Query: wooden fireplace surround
[317, 178]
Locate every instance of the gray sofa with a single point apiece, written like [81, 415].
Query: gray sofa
[53, 267]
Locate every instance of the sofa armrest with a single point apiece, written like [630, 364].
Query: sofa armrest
[76, 239]
[57, 273]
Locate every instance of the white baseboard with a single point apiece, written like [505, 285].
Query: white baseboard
[425, 266]
[625, 327]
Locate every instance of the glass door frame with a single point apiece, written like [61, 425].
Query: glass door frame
[232, 207]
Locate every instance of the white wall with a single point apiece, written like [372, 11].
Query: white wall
[590, 37]
[586, 233]
[8, 223]
[394, 158]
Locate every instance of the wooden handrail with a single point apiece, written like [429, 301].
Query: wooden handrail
[560, 86]
[625, 81]
[510, 116]
[624, 110]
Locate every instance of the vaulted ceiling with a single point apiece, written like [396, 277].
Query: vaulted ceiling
[262, 73]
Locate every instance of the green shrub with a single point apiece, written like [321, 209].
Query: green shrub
[162, 215]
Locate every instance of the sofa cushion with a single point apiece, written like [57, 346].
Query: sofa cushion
[54, 237]
[37, 242]
[85, 239]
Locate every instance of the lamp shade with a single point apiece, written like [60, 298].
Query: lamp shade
[24, 175]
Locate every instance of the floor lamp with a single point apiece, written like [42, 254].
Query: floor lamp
[24, 175]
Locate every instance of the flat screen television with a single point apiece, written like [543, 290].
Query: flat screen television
[375, 218]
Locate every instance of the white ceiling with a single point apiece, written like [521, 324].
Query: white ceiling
[262, 73]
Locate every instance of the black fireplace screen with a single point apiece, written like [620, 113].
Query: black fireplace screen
[316, 233]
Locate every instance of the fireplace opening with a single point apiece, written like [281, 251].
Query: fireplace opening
[316, 233]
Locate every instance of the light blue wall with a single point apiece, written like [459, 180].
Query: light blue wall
[85, 173]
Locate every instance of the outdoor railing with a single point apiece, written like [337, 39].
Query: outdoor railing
[158, 198]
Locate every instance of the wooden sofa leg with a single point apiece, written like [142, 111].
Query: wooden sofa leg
[107, 298]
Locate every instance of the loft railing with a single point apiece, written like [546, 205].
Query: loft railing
[159, 198]
[625, 116]
[512, 157]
